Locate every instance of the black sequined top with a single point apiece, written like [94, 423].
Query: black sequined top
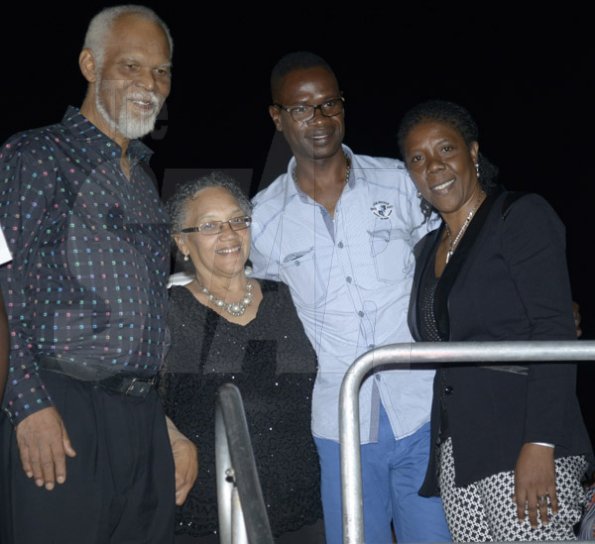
[273, 364]
[430, 332]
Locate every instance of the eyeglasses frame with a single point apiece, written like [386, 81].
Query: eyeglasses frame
[247, 221]
[289, 109]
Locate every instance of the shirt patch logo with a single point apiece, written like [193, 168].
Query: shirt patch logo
[382, 209]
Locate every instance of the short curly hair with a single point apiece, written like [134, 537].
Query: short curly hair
[176, 205]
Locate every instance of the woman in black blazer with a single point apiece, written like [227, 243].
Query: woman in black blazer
[512, 447]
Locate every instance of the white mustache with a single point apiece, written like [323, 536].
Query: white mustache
[152, 98]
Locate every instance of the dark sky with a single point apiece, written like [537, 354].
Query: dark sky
[527, 76]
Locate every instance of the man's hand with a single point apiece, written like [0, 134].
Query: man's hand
[576, 312]
[185, 461]
[43, 446]
[535, 483]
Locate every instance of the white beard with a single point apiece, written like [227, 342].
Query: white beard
[130, 124]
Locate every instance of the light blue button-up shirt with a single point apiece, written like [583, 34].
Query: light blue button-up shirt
[350, 277]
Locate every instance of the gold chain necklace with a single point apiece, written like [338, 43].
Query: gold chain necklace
[236, 309]
[347, 171]
[452, 244]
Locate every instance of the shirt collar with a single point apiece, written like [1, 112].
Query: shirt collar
[352, 174]
[82, 129]
[293, 186]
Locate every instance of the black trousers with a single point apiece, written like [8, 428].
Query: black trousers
[119, 488]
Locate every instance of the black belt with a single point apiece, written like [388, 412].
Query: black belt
[125, 384]
[128, 385]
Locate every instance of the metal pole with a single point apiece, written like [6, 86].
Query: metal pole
[242, 512]
[225, 479]
[238, 525]
[397, 356]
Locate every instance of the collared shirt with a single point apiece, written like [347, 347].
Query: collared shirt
[90, 250]
[350, 277]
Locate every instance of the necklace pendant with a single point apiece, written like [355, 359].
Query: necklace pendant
[237, 309]
[452, 244]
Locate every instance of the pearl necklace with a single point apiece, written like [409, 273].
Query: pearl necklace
[452, 244]
[236, 309]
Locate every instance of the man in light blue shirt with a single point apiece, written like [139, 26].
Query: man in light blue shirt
[339, 229]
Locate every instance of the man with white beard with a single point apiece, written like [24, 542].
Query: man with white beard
[87, 454]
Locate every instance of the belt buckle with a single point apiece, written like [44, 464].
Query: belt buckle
[134, 390]
[131, 386]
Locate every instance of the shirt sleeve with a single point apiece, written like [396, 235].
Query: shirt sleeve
[26, 195]
[264, 254]
[535, 251]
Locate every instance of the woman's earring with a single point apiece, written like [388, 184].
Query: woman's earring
[186, 258]
[418, 194]
[477, 169]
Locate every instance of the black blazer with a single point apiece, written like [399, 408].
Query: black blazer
[507, 280]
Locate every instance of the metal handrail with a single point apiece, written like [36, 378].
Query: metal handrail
[242, 512]
[396, 356]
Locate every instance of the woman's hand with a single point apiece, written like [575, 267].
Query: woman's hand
[535, 483]
[576, 312]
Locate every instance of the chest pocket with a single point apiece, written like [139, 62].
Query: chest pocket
[304, 278]
[391, 250]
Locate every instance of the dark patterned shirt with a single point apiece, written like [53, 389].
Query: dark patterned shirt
[90, 247]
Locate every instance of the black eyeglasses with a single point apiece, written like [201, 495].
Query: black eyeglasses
[215, 227]
[305, 112]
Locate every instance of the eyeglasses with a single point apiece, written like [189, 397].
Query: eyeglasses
[305, 112]
[215, 227]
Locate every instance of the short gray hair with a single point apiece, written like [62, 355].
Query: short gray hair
[177, 204]
[184, 193]
[101, 25]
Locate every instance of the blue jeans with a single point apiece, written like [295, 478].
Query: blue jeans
[392, 473]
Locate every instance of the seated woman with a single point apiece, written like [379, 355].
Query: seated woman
[513, 444]
[227, 328]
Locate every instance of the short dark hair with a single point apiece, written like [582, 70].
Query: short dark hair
[296, 60]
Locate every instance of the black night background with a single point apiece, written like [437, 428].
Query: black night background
[527, 77]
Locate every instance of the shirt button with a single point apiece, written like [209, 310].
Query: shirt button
[448, 390]
[348, 279]
[340, 244]
[360, 313]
